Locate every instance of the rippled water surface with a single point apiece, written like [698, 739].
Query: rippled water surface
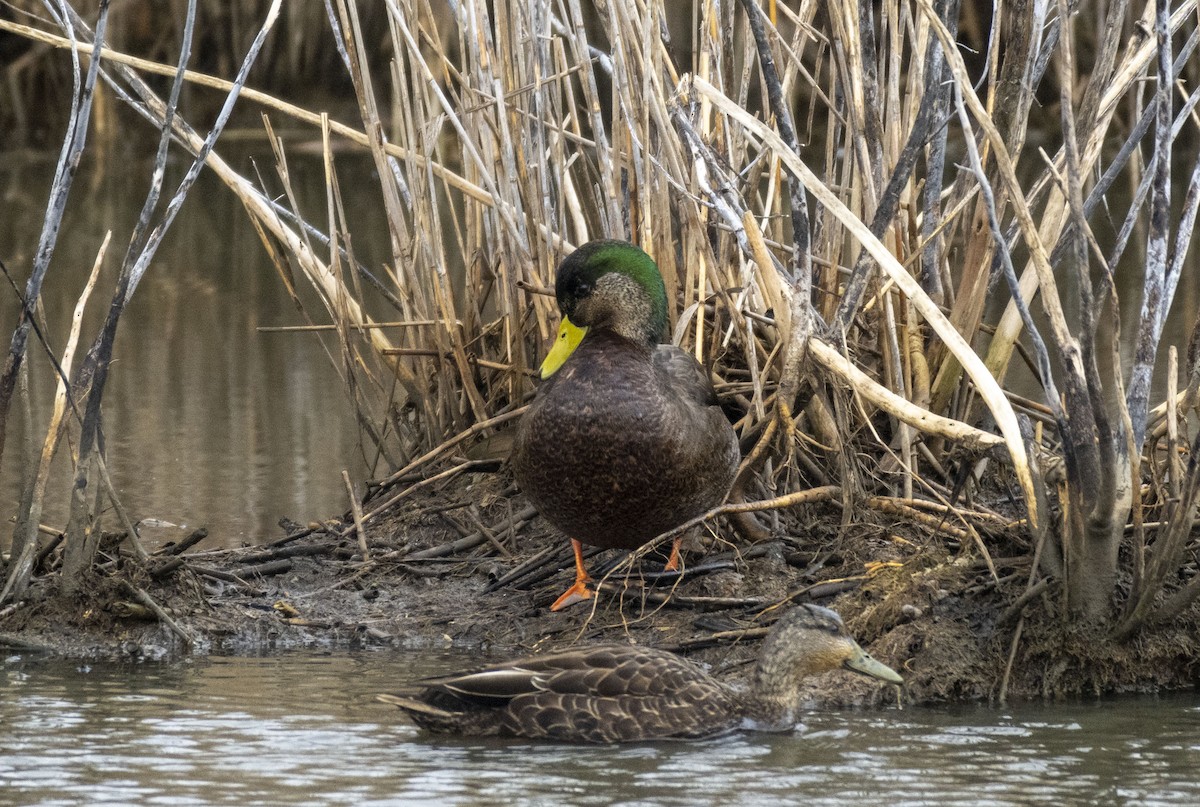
[306, 730]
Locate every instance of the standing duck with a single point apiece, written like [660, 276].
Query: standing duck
[624, 693]
[625, 439]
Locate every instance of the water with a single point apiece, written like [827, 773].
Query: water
[304, 729]
[209, 422]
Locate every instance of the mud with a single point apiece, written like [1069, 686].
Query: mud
[438, 576]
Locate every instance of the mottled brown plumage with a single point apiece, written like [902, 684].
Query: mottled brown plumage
[626, 441]
[622, 693]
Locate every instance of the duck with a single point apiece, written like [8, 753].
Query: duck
[625, 439]
[625, 693]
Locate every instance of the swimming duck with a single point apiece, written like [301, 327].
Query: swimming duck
[625, 439]
[624, 693]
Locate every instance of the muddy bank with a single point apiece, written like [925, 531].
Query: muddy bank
[473, 567]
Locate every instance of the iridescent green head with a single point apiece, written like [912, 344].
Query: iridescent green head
[608, 284]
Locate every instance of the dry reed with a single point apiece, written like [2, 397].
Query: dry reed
[837, 271]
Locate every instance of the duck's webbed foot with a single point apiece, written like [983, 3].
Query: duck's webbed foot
[581, 590]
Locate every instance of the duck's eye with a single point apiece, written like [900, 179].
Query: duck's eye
[584, 288]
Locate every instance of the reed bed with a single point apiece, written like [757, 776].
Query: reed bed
[853, 222]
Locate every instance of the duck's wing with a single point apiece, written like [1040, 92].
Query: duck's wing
[472, 702]
[709, 453]
[687, 376]
[604, 671]
[603, 694]
[625, 694]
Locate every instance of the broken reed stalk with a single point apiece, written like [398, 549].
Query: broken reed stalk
[356, 509]
[24, 544]
[25, 535]
[145, 599]
[64, 175]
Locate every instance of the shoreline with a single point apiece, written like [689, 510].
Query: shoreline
[933, 612]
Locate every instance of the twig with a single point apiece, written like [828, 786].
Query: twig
[717, 638]
[1018, 605]
[1012, 655]
[418, 323]
[295, 536]
[148, 601]
[471, 541]
[130, 528]
[829, 588]
[487, 532]
[64, 176]
[226, 577]
[264, 569]
[356, 509]
[187, 543]
[650, 596]
[902, 507]
[475, 429]
[527, 567]
[391, 502]
[286, 552]
[48, 549]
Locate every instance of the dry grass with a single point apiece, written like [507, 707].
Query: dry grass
[506, 133]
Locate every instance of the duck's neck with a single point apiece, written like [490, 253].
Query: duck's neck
[620, 304]
[608, 341]
[773, 700]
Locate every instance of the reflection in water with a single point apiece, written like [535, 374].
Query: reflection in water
[209, 423]
[306, 730]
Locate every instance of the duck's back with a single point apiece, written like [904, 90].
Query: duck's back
[625, 443]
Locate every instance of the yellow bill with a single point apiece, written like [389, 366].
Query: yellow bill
[569, 337]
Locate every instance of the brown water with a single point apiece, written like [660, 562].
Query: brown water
[304, 729]
[209, 422]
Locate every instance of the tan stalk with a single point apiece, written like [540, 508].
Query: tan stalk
[986, 385]
[1055, 212]
[22, 562]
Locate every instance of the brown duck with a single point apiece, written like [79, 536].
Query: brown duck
[625, 439]
[623, 693]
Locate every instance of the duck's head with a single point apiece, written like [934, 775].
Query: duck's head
[806, 640]
[610, 285]
[810, 639]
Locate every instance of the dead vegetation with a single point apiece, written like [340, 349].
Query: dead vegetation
[858, 234]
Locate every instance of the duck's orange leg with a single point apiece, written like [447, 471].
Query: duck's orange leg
[673, 560]
[579, 591]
